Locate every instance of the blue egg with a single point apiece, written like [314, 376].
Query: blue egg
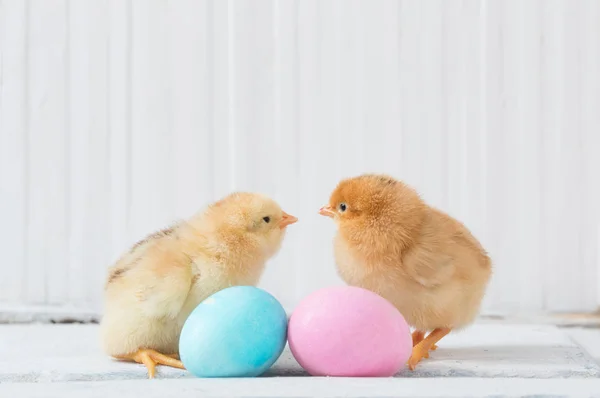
[237, 332]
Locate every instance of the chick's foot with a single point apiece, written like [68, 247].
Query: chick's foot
[151, 358]
[421, 350]
[417, 337]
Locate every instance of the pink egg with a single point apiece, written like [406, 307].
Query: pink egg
[349, 331]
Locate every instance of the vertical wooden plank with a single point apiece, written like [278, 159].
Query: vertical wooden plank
[452, 94]
[506, 162]
[565, 180]
[46, 273]
[576, 290]
[78, 101]
[478, 174]
[98, 198]
[119, 119]
[432, 133]
[460, 83]
[497, 195]
[357, 81]
[13, 148]
[389, 89]
[231, 91]
[392, 97]
[527, 175]
[152, 194]
[333, 92]
[411, 94]
[90, 239]
[351, 83]
[288, 264]
[221, 25]
[474, 165]
[255, 143]
[590, 119]
[512, 105]
[190, 74]
[552, 94]
[381, 111]
[511, 250]
[518, 111]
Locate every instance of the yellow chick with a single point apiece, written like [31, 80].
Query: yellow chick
[420, 259]
[153, 288]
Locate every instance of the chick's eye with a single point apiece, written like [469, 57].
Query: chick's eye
[267, 219]
[342, 207]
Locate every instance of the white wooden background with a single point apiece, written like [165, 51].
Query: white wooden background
[117, 116]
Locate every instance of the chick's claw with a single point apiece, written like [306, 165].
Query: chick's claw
[151, 358]
[417, 354]
[417, 337]
[421, 350]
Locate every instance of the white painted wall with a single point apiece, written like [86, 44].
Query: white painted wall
[118, 116]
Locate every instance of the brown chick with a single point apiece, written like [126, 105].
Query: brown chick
[153, 288]
[420, 259]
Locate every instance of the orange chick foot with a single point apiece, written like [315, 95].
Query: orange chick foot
[421, 350]
[417, 354]
[151, 358]
[417, 337]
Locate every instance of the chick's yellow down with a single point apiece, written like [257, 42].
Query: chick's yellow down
[420, 259]
[153, 288]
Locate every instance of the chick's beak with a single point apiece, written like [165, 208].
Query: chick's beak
[287, 220]
[327, 211]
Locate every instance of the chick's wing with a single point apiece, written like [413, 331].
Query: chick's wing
[155, 277]
[431, 261]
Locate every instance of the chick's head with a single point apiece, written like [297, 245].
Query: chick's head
[373, 204]
[253, 219]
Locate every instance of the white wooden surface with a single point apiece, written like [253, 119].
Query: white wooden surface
[118, 116]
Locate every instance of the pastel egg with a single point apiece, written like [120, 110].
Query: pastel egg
[349, 331]
[237, 332]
